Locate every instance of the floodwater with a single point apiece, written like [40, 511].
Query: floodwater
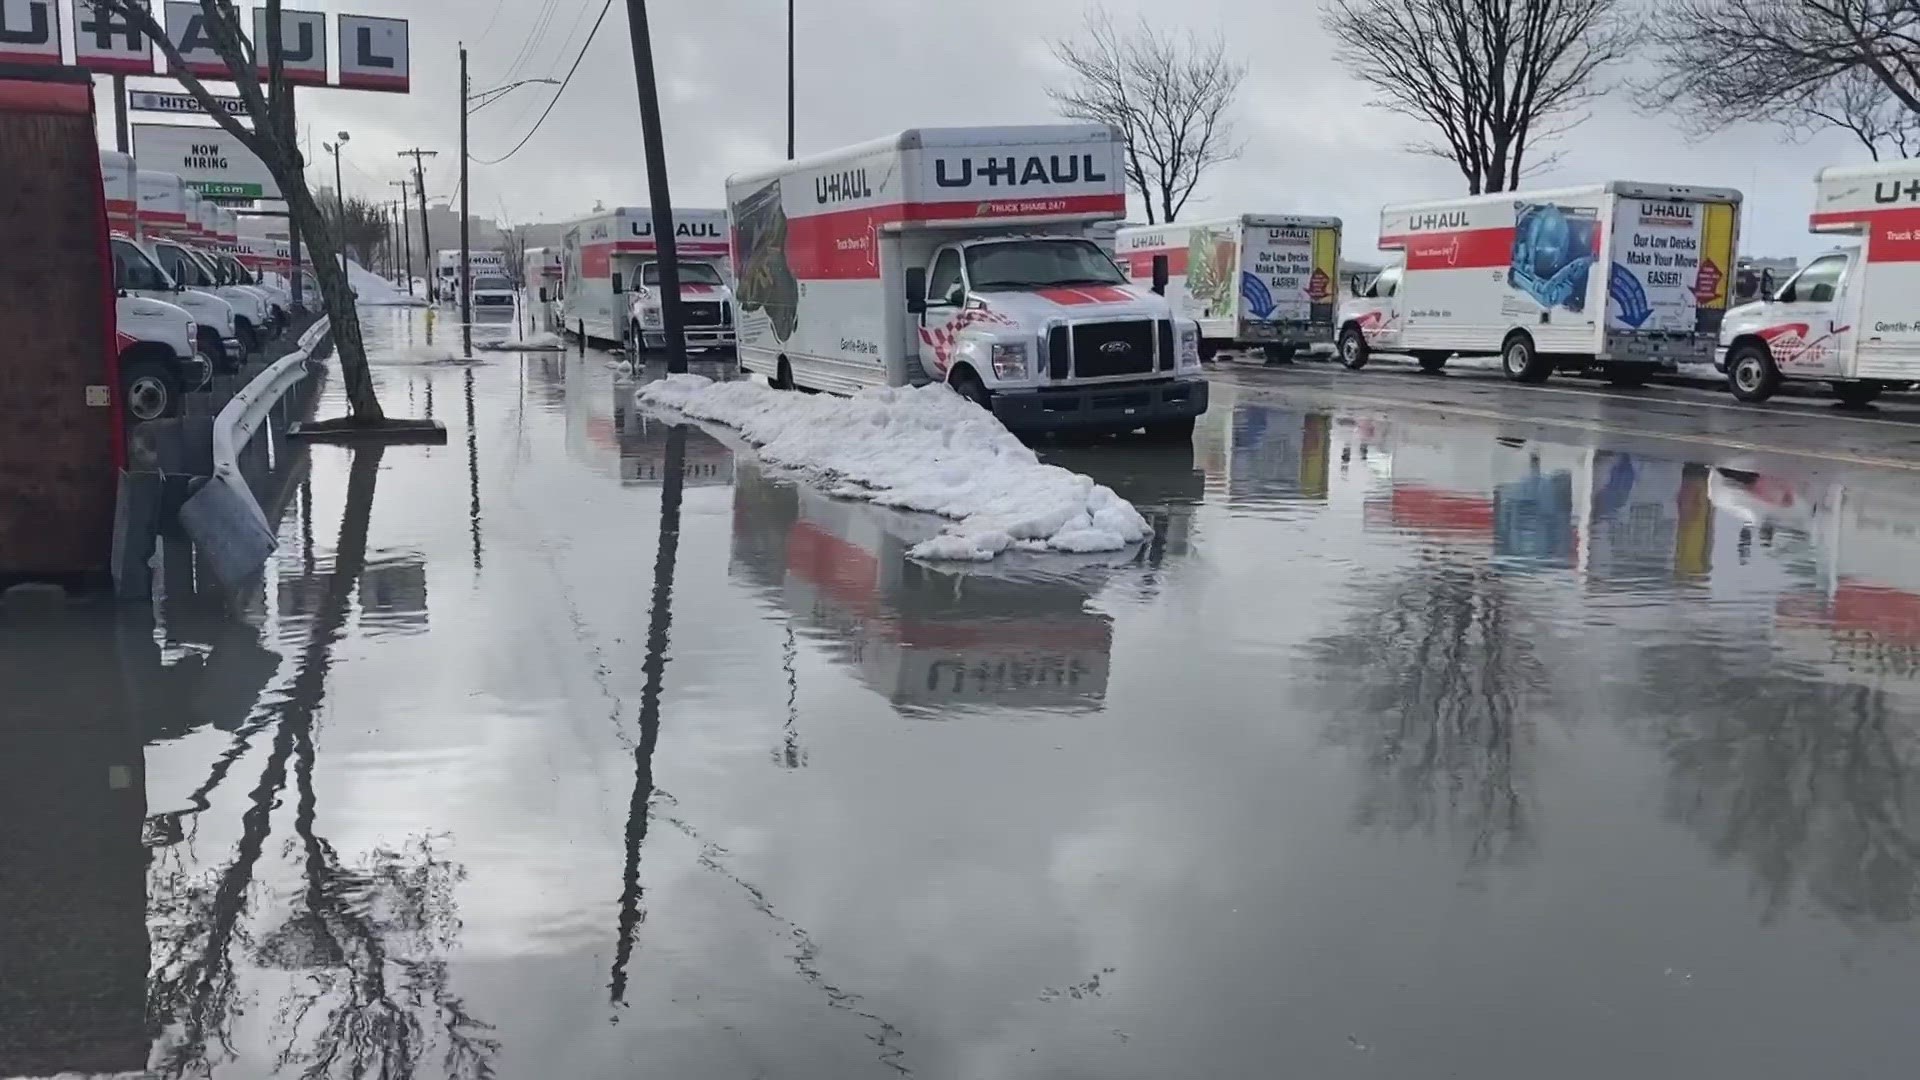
[1406, 747]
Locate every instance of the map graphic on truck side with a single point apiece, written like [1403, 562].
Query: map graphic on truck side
[767, 282]
[1212, 272]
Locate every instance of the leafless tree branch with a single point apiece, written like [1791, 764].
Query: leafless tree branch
[1167, 95]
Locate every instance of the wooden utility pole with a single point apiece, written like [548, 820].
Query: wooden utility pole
[658, 192]
[466, 269]
[426, 236]
[406, 234]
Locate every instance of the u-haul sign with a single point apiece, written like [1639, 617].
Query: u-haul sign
[373, 53]
[303, 45]
[29, 32]
[104, 41]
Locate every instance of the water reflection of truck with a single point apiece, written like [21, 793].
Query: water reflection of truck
[1612, 517]
[606, 430]
[920, 637]
[1859, 618]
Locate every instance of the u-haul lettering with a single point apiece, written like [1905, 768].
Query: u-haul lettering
[1012, 171]
[1437, 220]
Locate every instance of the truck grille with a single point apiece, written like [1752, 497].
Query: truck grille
[1096, 350]
[703, 312]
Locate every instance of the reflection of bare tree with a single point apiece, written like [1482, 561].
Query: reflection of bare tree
[367, 942]
[1809, 784]
[1429, 681]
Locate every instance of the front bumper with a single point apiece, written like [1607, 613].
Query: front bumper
[1106, 407]
[698, 337]
[232, 352]
[1296, 334]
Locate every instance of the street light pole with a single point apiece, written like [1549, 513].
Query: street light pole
[658, 192]
[466, 281]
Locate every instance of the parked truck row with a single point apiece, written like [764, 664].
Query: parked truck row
[994, 259]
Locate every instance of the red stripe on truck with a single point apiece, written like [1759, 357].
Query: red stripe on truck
[844, 244]
[1139, 264]
[1893, 235]
[1460, 249]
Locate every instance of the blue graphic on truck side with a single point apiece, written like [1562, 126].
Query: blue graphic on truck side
[1629, 297]
[1258, 297]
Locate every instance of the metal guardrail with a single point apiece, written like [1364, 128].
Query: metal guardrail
[224, 517]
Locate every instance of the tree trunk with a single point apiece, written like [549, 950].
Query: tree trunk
[324, 249]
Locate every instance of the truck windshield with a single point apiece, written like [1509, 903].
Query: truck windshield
[690, 274]
[237, 271]
[183, 268]
[1039, 264]
[212, 267]
[492, 284]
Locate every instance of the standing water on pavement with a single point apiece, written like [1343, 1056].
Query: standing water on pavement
[1404, 746]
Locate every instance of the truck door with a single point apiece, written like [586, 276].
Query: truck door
[946, 300]
[1808, 336]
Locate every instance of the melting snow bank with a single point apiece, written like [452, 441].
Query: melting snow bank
[543, 342]
[372, 290]
[925, 449]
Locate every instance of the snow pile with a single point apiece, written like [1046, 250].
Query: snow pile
[925, 449]
[542, 342]
[372, 290]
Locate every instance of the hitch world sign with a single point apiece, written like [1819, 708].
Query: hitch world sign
[208, 159]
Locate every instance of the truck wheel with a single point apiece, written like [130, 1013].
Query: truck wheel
[1857, 395]
[969, 386]
[1209, 351]
[249, 338]
[1627, 375]
[636, 345]
[210, 347]
[1431, 362]
[1522, 363]
[1354, 352]
[1751, 373]
[1279, 354]
[1171, 431]
[148, 391]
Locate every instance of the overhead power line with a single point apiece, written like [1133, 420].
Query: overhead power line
[557, 94]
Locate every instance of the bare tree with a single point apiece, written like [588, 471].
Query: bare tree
[366, 228]
[1167, 94]
[1801, 64]
[269, 132]
[1498, 78]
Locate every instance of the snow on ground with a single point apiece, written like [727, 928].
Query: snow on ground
[925, 449]
[372, 290]
[542, 342]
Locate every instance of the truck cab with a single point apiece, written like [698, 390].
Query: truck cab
[1369, 319]
[188, 267]
[706, 306]
[492, 291]
[159, 342]
[1004, 318]
[1805, 329]
[213, 317]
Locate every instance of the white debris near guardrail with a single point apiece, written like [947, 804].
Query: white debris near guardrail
[223, 517]
[925, 449]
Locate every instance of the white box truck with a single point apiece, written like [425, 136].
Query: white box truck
[1261, 281]
[1625, 277]
[540, 276]
[611, 278]
[1847, 317]
[961, 255]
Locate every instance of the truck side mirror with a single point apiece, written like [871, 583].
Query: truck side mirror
[1353, 285]
[1160, 274]
[617, 283]
[916, 289]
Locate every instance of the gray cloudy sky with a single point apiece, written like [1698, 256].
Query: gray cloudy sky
[871, 66]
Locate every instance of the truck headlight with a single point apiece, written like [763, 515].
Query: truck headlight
[650, 317]
[1190, 347]
[1010, 361]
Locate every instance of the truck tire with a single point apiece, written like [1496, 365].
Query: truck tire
[1521, 362]
[968, 385]
[209, 342]
[1279, 354]
[1431, 362]
[636, 345]
[1354, 352]
[249, 338]
[1209, 351]
[148, 391]
[1751, 373]
[1172, 431]
[1858, 394]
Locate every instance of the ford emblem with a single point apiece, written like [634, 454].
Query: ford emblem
[1116, 347]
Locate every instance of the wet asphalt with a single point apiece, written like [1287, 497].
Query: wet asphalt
[1443, 728]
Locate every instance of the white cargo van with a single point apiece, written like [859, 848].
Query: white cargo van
[961, 255]
[160, 211]
[1626, 277]
[611, 283]
[1264, 281]
[1848, 317]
